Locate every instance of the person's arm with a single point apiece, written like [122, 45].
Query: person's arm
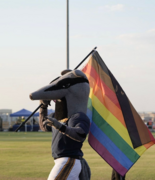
[42, 115]
[77, 133]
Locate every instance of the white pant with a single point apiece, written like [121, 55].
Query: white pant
[65, 169]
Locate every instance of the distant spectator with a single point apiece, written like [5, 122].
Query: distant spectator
[23, 119]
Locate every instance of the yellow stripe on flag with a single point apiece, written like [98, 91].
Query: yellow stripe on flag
[113, 122]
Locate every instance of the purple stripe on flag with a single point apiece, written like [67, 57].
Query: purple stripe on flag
[110, 146]
[104, 153]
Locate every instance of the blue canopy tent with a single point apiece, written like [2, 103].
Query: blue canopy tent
[22, 112]
[25, 113]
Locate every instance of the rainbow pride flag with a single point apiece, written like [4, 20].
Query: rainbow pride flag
[117, 132]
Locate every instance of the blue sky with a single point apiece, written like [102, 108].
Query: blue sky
[33, 45]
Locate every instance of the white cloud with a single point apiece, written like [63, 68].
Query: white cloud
[151, 31]
[141, 39]
[77, 36]
[117, 7]
[80, 36]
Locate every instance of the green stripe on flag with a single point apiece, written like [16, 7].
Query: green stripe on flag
[114, 136]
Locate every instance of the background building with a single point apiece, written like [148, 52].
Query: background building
[5, 119]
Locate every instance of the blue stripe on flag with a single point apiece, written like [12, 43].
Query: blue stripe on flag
[89, 114]
[110, 146]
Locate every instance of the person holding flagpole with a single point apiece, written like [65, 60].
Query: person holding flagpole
[70, 124]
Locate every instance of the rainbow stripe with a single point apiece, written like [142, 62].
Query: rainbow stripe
[117, 132]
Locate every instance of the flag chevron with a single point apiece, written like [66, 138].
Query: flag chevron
[117, 132]
[127, 113]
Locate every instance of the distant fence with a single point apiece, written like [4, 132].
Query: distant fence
[27, 127]
[7, 123]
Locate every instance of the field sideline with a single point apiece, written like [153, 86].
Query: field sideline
[27, 156]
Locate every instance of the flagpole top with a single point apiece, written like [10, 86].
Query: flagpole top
[86, 57]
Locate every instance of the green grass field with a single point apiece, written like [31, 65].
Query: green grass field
[27, 156]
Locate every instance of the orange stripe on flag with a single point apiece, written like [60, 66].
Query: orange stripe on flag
[90, 71]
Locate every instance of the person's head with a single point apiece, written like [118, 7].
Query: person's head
[71, 92]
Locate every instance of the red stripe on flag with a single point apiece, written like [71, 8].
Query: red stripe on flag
[88, 69]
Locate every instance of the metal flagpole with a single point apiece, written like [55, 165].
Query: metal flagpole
[67, 34]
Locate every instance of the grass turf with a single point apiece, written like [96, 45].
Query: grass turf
[27, 156]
